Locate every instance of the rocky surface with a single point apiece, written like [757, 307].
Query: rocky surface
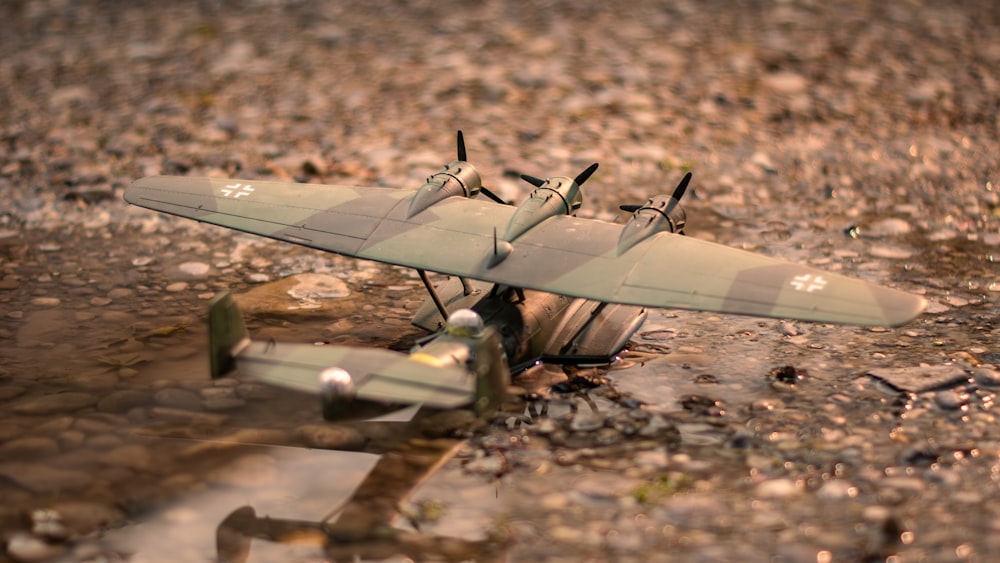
[858, 137]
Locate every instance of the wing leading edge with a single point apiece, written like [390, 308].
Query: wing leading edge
[563, 254]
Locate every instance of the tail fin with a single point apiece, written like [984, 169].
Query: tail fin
[227, 335]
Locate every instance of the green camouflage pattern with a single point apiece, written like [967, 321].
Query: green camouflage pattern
[560, 254]
[438, 374]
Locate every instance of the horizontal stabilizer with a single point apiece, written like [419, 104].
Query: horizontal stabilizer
[378, 375]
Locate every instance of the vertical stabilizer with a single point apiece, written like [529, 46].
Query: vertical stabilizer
[227, 335]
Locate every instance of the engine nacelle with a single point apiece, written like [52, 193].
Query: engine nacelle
[456, 179]
[660, 213]
[556, 196]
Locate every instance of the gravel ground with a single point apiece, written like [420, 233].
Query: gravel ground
[800, 121]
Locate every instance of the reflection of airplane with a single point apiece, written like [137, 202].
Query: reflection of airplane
[362, 527]
[612, 270]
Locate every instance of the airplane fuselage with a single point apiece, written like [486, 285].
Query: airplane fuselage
[539, 325]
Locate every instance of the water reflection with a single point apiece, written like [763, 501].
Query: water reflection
[283, 482]
[363, 526]
[299, 504]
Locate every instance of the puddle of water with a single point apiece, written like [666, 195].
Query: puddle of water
[278, 482]
[696, 347]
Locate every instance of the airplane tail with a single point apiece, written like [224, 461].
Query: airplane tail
[227, 334]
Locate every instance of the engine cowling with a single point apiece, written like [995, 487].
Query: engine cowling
[556, 196]
[456, 179]
[660, 213]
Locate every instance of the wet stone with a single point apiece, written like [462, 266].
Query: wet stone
[121, 293]
[189, 271]
[45, 479]
[299, 295]
[28, 548]
[94, 380]
[920, 378]
[318, 286]
[886, 251]
[985, 376]
[71, 439]
[176, 287]
[103, 441]
[778, 488]
[9, 432]
[55, 425]
[837, 489]
[94, 425]
[951, 399]
[28, 448]
[788, 329]
[223, 403]
[8, 392]
[888, 227]
[175, 398]
[493, 464]
[586, 420]
[57, 403]
[123, 400]
[132, 456]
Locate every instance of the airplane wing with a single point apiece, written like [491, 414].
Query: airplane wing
[329, 217]
[378, 375]
[675, 271]
[563, 254]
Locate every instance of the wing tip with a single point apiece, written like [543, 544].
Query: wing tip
[131, 194]
[900, 307]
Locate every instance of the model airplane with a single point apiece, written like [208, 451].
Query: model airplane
[550, 284]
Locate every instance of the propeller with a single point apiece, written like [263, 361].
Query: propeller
[585, 175]
[537, 182]
[463, 157]
[486, 192]
[678, 194]
[580, 178]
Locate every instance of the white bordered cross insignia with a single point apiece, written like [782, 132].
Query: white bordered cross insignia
[808, 283]
[235, 191]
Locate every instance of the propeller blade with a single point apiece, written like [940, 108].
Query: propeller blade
[537, 182]
[682, 187]
[486, 192]
[674, 199]
[461, 147]
[585, 175]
